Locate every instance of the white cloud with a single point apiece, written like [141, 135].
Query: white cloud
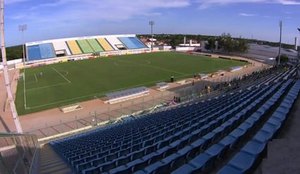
[13, 1]
[267, 16]
[17, 17]
[104, 10]
[247, 14]
[206, 3]
[288, 2]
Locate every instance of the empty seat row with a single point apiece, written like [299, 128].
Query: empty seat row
[228, 142]
[176, 146]
[246, 158]
[189, 137]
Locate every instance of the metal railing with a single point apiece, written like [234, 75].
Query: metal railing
[18, 153]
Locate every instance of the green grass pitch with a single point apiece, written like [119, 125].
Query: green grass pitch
[66, 83]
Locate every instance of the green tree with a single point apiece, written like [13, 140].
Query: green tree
[14, 52]
[242, 46]
[230, 44]
[283, 59]
[210, 45]
[226, 42]
[175, 42]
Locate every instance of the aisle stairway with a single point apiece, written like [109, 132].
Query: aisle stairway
[283, 157]
[283, 153]
[50, 162]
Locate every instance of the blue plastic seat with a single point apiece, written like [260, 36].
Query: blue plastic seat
[283, 110]
[151, 168]
[216, 150]
[84, 166]
[140, 166]
[268, 127]
[243, 161]
[199, 143]
[138, 154]
[201, 162]
[107, 167]
[178, 161]
[98, 161]
[237, 133]
[263, 136]
[254, 147]
[279, 115]
[120, 170]
[93, 170]
[274, 121]
[228, 141]
[228, 169]
[209, 137]
[186, 169]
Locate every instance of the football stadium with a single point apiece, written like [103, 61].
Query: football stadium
[147, 104]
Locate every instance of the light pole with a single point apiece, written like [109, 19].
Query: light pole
[23, 28]
[5, 72]
[298, 49]
[151, 23]
[279, 52]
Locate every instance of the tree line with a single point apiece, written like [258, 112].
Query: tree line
[176, 39]
[227, 44]
[14, 52]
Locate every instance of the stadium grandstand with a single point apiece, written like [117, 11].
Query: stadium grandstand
[83, 47]
[110, 104]
[226, 132]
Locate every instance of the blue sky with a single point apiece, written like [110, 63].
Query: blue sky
[50, 19]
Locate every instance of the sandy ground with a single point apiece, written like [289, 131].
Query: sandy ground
[53, 121]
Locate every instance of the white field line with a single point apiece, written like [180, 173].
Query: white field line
[32, 82]
[49, 86]
[62, 75]
[36, 80]
[91, 95]
[155, 67]
[24, 89]
[32, 89]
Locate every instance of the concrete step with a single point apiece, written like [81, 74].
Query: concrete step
[50, 162]
[283, 157]
[61, 169]
[274, 146]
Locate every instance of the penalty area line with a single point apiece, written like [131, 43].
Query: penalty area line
[36, 80]
[24, 89]
[49, 86]
[62, 75]
[88, 96]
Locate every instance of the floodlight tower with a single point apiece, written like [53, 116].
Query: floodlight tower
[5, 72]
[151, 23]
[280, 37]
[298, 49]
[23, 28]
[298, 70]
